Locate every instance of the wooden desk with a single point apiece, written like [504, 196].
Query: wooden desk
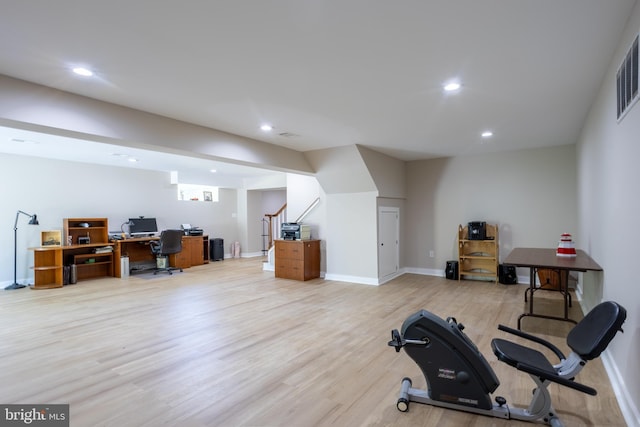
[195, 251]
[137, 249]
[535, 258]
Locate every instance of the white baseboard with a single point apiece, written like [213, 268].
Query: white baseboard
[352, 279]
[629, 408]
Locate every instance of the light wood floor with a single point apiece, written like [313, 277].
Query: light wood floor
[226, 344]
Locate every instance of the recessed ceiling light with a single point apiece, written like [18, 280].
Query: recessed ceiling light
[81, 71]
[487, 134]
[266, 127]
[213, 170]
[452, 86]
[132, 159]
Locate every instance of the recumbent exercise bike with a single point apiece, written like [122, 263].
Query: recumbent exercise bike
[459, 377]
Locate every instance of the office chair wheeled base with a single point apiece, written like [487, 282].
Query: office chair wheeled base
[459, 377]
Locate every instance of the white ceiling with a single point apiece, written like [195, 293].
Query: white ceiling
[331, 73]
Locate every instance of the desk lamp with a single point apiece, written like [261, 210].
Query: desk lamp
[32, 221]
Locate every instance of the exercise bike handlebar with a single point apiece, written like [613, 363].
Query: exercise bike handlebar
[398, 342]
[533, 338]
[555, 378]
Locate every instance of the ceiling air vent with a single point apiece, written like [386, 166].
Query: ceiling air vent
[288, 135]
[627, 81]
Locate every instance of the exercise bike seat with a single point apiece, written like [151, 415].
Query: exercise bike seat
[514, 354]
[587, 340]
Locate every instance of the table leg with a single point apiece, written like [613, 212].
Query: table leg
[564, 289]
[532, 286]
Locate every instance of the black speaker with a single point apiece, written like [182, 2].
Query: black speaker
[507, 274]
[477, 230]
[451, 270]
[216, 248]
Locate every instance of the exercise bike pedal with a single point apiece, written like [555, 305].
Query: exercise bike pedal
[396, 340]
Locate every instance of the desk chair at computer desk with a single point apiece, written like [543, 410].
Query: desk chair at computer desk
[170, 243]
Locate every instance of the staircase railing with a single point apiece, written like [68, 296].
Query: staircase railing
[275, 223]
[276, 219]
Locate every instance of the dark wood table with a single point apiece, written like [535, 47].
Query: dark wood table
[536, 258]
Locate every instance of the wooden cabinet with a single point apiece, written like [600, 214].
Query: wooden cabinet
[297, 259]
[195, 248]
[192, 254]
[478, 258]
[47, 268]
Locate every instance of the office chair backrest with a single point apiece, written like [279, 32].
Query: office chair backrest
[594, 332]
[170, 241]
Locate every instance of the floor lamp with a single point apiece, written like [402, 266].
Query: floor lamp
[32, 221]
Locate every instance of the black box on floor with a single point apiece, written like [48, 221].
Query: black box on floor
[451, 270]
[507, 274]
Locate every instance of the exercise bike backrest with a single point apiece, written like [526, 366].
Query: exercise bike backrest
[594, 332]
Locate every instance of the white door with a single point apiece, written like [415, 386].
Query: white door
[388, 241]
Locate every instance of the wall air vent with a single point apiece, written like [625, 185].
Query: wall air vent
[627, 81]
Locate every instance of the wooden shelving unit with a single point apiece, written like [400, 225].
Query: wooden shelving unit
[90, 265]
[96, 229]
[47, 268]
[478, 259]
[49, 261]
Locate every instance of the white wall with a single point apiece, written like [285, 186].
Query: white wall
[609, 176]
[57, 189]
[352, 249]
[530, 194]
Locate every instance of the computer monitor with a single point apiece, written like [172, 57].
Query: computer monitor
[142, 226]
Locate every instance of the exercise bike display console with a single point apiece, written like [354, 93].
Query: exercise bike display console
[459, 377]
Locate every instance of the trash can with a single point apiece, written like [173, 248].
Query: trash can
[216, 249]
[162, 262]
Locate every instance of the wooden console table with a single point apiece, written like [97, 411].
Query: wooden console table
[538, 258]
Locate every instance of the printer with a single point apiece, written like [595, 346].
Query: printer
[295, 231]
[191, 231]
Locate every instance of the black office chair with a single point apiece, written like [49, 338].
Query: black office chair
[170, 243]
